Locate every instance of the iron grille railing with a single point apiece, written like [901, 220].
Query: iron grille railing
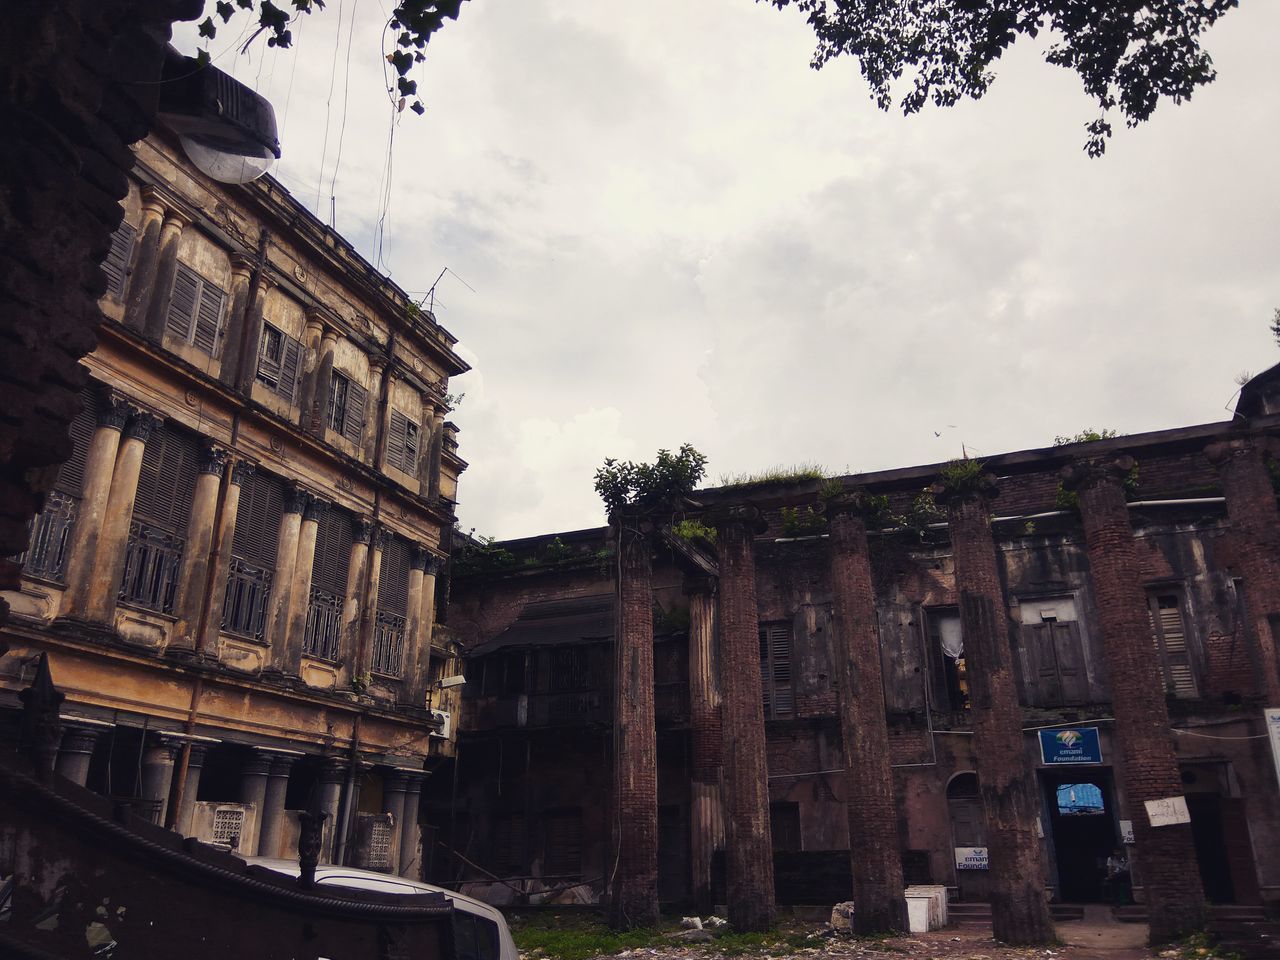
[324, 625]
[47, 555]
[388, 644]
[244, 611]
[151, 564]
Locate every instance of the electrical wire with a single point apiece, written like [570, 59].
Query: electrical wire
[328, 104]
[342, 130]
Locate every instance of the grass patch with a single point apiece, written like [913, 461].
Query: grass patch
[779, 474]
[577, 937]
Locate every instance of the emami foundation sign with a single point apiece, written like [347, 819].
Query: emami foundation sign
[971, 858]
[1073, 745]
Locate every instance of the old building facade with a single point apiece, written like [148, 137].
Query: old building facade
[235, 574]
[1061, 648]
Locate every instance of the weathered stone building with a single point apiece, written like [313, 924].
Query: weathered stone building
[235, 574]
[1068, 638]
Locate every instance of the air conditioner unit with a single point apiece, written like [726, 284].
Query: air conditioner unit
[446, 719]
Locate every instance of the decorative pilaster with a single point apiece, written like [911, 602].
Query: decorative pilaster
[357, 567]
[300, 591]
[253, 333]
[1010, 797]
[872, 811]
[369, 603]
[224, 538]
[437, 453]
[706, 738]
[108, 566]
[749, 844]
[1255, 528]
[1166, 855]
[290, 530]
[175, 221]
[100, 465]
[417, 652]
[193, 578]
[376, 413]
[315, 391]
[143, 280]
[635, 761]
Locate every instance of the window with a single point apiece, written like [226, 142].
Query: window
[393, 603]
[253, 555]
[46, 555]
[1050, 655]
[508, 839]
[950, 688]
[784, 826]
[1169, 630]
[402, 444]
[228, 825]
[562, 850]
[279, 359]
[334, 538]
[195, 310]
[346, 407]
[116, 266]
[775, 670]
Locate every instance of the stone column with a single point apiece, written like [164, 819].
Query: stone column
[290, 531]
[272, 819]
[1006, 781]
[237, 317]
[290, 661]
[429, 409]
[706, 738]
[252, 342]
[436, 447]
[1166, 855]
[157, 773]
[1255, 525]
[352, 605]
[635, 758]
[312, 338]
[376, 413]
[332, 775]
[100, 465]
[394, 784]
[749, 844]
[143, 280]
[75, 753]
[190, 790]
[113, 538]
[193, 578]
[253, 790]
[411, 833]
[869, 797]
[314, 402]
[224, 544]
[369, 606]
[417, 640]
[386, 388]
[166, 270]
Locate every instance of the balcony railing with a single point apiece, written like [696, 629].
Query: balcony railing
[152, 561]
[324, 625]
[388, 644]
[244, 611]
[47, 555]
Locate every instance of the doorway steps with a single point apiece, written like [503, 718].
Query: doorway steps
[979, 914]
[1245, 930]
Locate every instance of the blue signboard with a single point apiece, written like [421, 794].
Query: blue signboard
[1072, 745]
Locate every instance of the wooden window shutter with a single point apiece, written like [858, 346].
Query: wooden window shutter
[71, 476]
[258, 520]
[1072, 679]
[1028, 664]
[116, 266]
[182, 304]
[270, 356]
[562, 850]
[353, 424]
[208, 317]
[1169, 629]
[780, 653]
[290, 364]
[333, 551]
[170, 464]
[396, 439]
[393, 582]
[766, 680]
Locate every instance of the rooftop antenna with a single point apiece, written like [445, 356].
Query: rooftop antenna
[430, 298]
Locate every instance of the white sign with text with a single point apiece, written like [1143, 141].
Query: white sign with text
[971, 858]
[1167, 812]
[1272, 717]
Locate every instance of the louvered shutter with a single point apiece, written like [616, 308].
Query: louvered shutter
[766, 679]
[182, 304]
[258, 520]
[170, 464]
[393, 582]
[71, 476]
[333, 551]
[208, 317]
[780, 654]
[353, 424]
[396, 440]
[1169, 628]
[290, 363]
[116, 266]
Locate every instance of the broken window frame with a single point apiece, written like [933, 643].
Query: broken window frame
[1185, 685]
[777, 677]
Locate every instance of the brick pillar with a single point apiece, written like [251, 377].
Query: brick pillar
[193, 578]
[224, 541]
[277, 627]
[706, 738]
[75, 752]
[1010, 798]
[411, 833]
[635, 738]
[1255, 525]
[100, 465]
[873, 820]
[749, 843]
[1166, 856]
[113, 538]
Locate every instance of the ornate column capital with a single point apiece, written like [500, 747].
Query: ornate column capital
[242, 265]
[257, 764]
[280, 765]
[1083, 474]
[333, 770]
[363, 530]
[79, 739]
[1222, 452]
[419, 554]
[113, 410]
[141, 425]
[213, 460]
[315, 508]
[296, 498]
[395, 780]
[243, 472]
[964, 481]
[380, 537]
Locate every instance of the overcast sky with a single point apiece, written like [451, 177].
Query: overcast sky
[678, 232]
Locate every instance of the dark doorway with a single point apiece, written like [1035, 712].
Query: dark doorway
[968, 829]
[1211, 847]
[1083, 828]
[673, 858]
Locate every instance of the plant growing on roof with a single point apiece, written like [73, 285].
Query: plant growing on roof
[690, 530]
[1087, 435]
[962, 477]
[797, 522]
[656, 487]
